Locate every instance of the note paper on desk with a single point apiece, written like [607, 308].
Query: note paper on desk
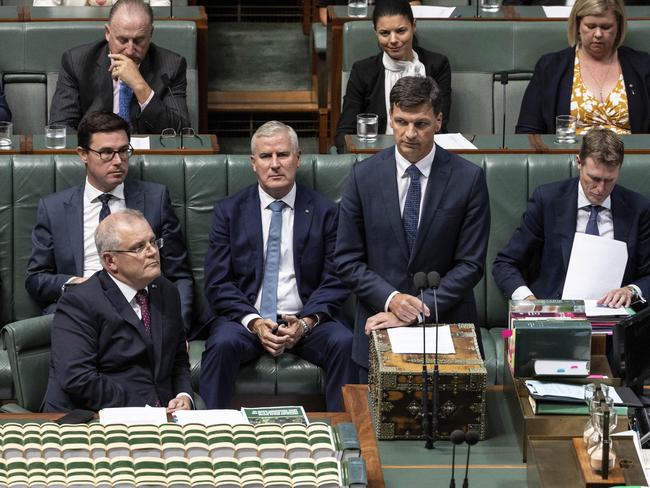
[133, 415]
[408, 340]
[557, 12]
[453, 141]
[432, 12]
[140, 143]
[596, 266]
[209, 417]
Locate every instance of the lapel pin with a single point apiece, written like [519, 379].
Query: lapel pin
[306, 210]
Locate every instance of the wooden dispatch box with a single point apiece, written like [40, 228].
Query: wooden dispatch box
[395, 382]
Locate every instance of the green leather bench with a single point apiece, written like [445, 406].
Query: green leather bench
[31, 58]
[196, 182]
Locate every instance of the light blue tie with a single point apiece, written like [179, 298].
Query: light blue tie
[592, 223]
[411, 213]
[269, 305]
[126, 94]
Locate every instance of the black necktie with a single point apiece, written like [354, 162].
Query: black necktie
[106, 210]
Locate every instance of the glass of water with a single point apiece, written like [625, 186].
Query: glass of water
[565, 129]
[6, 133]
[490, 5]
[367, 125]
[357, 8]
[55, 136]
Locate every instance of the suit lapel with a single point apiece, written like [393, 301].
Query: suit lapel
[74, 218]
[387, 172]
[566, 211]
[133, 196]
[622, 216]
[302, 217]
[156, 303]
[438, 179]
[252, 223]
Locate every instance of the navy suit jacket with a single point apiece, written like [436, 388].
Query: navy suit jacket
[549, 92]
[538, 252]
[371, 251]
[234, 263]
[57, 242]
[85, 85]
[103, 357]
[5, 113]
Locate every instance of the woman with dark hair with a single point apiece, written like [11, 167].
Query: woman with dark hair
[597, 80]
[5, 113]
[372, 79]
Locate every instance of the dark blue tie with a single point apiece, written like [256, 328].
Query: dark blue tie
[106, 210]
[592, 223]
[126, 94]
[411, 213]
[269, 305]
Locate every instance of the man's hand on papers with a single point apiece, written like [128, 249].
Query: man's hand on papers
[619, 297]
[179, 403]
[383, 320]
[405, 308]
[273, 343]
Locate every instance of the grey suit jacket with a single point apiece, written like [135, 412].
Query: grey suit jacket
[85, 85]
[57, 241]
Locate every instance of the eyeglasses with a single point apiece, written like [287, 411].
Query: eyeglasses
[107, 155]
[185, 132]
[155, 243]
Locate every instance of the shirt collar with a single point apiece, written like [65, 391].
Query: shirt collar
[583, 201]
[128, 291]
[289, 199]
[424, 164]
[91, 193]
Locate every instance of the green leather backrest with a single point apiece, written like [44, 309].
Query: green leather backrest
[7, 264]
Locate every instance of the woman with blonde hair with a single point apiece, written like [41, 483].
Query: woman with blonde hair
[597, 80]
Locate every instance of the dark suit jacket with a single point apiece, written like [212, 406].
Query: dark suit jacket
[57, 241]
[5, 113]
[103, 357]
[365, 92]
[549, 92]
[371, 252]
[85, 85]
[234, 263]
[538, 252]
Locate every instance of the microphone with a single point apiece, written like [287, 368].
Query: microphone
[433, 279]
[457, 437]
[165, 79]
[420, 282]
[504, 81]
[471, 438]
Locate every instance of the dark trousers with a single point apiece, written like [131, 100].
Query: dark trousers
[230, 345]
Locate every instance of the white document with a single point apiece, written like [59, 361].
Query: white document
[557, 12]
[592, 309]
[140, 142]
[453, 141]
[408, 340]
[556, 367]
[577, 392]
[133, 415]
[209, 417]
[430, 12]
[596, 266]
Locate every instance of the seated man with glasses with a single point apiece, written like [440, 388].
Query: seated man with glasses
[63, 249]
[116, 340]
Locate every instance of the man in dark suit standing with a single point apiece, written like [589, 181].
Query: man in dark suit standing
[412, 207]
[126, 74]
[269, 275]
[118, 338]
[63, 249]
[534, 263]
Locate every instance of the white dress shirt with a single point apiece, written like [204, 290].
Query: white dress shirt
[91, 208]
[289, 301]
[403, 183]
[116, 98]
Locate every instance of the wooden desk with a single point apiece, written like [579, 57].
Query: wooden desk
[17, 146]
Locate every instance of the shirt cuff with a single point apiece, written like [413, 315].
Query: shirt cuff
[390, 297]
[146, 102]
[183, 394]
[521, 293]
[247, 319]
[639, 293]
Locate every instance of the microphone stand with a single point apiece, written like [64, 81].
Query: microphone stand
[504, 82]
[426, 418]
[436, 375]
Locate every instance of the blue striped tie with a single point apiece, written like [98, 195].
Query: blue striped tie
[411, 213]
[126, 94]
[269, 305]
[592, 223]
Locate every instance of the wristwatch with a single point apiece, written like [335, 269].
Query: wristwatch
[306, 330]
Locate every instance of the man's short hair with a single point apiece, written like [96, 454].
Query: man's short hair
[94, 122]
[145, 7]
[603, 146]
[106, 235]
[413, 91]
[271, 128]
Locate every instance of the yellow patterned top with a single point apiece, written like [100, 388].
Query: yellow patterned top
[590, 112]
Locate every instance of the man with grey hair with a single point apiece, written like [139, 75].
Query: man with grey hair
[118, 338]
[269, 276]
[126, 74]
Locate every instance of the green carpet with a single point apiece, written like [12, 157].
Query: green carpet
[495, 462]
[258, 56]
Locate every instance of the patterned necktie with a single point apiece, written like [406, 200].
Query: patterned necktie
[106, 210]
[143, 300]
[411, 213]
[592, 223]
[126, 94]
[269, 305]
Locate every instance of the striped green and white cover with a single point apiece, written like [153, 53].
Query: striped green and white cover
[270, 441]
[226, 472]
[144, 441]
[220, 441]
[201, 472]
[103, 472]
[36, 472]
[17, 472]
[55, 468]
[50, 440]
[250, 472]
[277, 473]
[97, 440]
[117, 440]
[79, 473]
[328, 473]
[303, 473]
[296, 440]
[150, 472]
[75, 441]
[178, 471]
[245, 440]
[122, 470]
[196, 440]
[321, 440]
[172, 440]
